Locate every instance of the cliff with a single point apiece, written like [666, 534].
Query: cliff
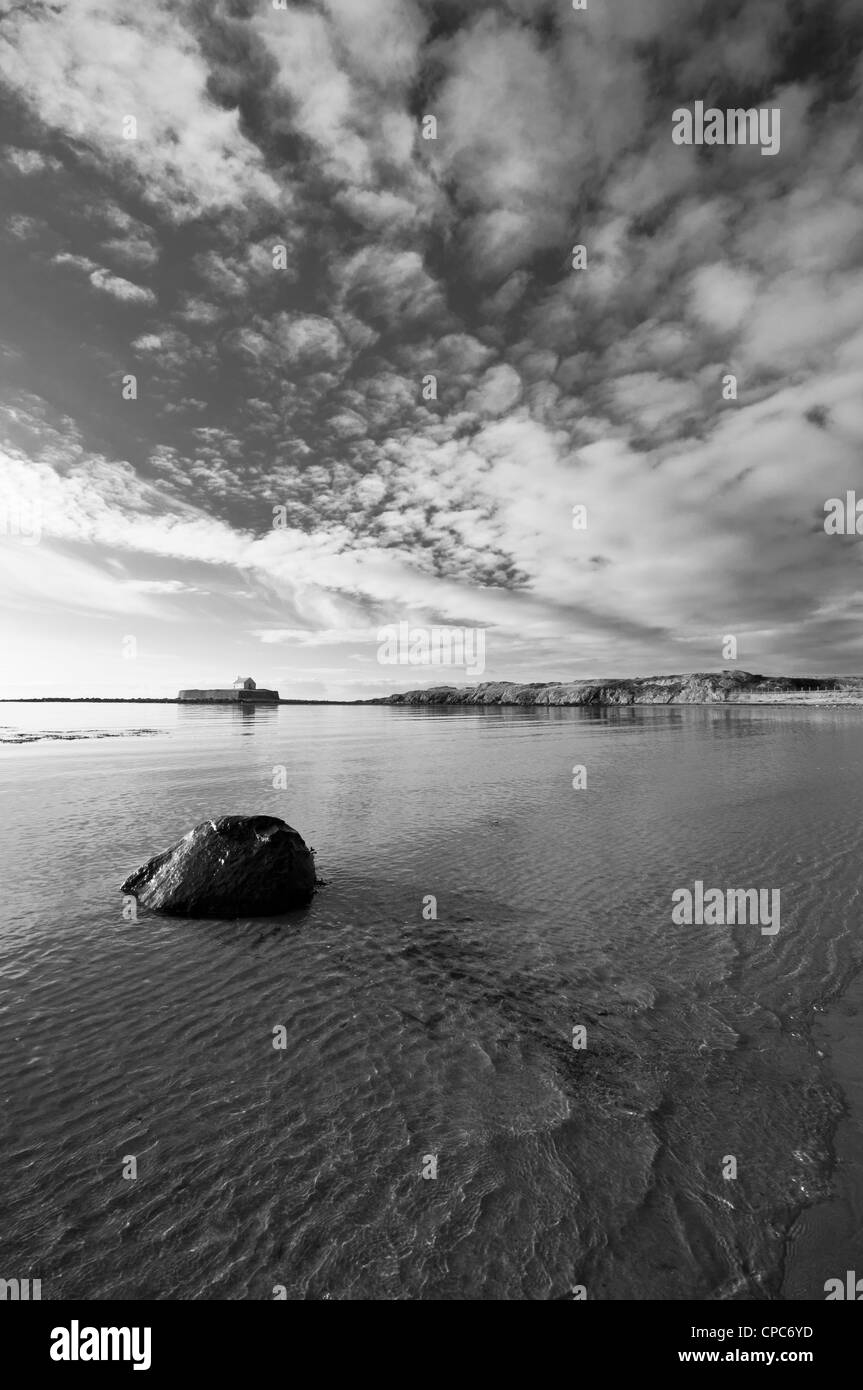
[698, 689]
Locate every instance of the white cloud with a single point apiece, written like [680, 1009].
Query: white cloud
[497, 392]
[31, 161]
[722, 295]
[105, 280]
[189, 155]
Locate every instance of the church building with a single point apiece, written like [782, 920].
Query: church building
[244, 691]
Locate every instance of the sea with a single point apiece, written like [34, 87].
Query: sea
[486, 1062]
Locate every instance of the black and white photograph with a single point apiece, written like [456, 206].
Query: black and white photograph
[431, 603]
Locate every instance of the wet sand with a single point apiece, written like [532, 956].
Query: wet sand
[827, 1238]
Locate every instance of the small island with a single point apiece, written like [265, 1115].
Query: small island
[244, 691]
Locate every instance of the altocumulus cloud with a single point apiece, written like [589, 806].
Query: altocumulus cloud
[291, 264]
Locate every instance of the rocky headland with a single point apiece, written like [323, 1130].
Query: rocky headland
[725, 687]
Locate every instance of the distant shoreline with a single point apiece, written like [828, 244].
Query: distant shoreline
[707, 688]
[158, 700]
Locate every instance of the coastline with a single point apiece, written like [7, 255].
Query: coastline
[158, 700]
[697, 688]
[706, 688]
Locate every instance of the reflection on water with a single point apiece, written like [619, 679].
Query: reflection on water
[414, 1030]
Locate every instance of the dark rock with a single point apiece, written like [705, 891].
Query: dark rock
[239, 866]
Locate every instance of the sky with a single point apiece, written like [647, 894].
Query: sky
[232, 261]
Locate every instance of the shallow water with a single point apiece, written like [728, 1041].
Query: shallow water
[408, 1037]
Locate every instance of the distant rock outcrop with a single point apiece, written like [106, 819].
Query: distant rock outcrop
[239, 866]
[709, 688]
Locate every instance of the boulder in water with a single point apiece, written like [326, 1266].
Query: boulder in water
[239, 866]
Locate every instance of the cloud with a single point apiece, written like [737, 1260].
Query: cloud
[307, 339]
[121, 289]
[187, 156]
[105, 280]
[29, 162]
[497, 392]
[138, 252]
[722, 295]
[161, 586]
